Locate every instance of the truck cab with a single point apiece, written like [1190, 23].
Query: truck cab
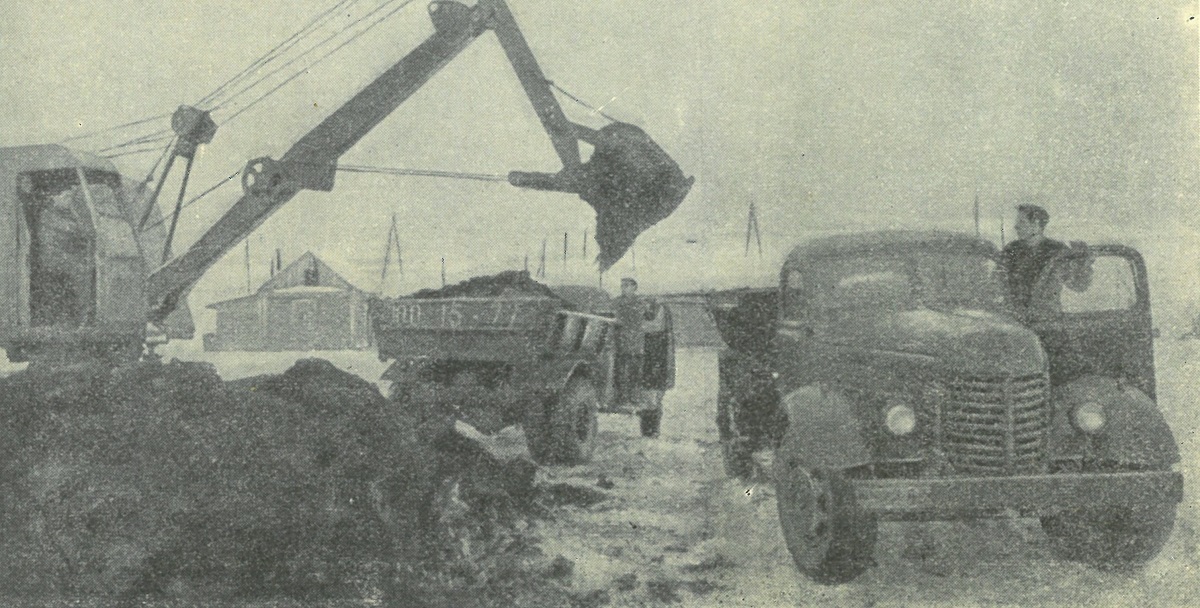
[893, 379]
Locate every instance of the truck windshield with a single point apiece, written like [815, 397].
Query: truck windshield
[892, 283]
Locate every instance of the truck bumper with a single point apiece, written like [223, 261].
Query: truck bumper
[1028, 495]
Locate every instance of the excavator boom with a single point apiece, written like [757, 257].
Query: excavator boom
[629, 180]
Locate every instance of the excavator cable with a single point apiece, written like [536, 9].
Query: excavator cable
[301, 72]
[274, 53]
[152, 138]
[119, 127]
[483, 177]
[262, 61]
[196, 198]
[144, 150]
[486, 177]
[580, 101]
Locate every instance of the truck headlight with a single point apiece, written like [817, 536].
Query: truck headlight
[1089, 417]
[901, 420]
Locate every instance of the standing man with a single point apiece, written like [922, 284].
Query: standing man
[645, 355]
[631, 342]
[1024, 261]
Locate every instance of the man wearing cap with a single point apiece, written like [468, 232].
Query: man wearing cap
[1024, 260]
[631, 341]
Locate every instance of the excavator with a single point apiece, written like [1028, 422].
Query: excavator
[92, 273]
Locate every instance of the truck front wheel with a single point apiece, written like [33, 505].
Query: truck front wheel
[831, 540]
[1110, 538]
[567, 433]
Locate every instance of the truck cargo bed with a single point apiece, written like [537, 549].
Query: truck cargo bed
[503, 328]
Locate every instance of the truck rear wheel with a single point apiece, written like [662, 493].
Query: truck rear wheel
[831, 540]
[566, 435]
[1111, 538]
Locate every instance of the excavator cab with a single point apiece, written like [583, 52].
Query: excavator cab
[75, 276]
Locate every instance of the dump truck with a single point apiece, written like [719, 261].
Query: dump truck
[888, 377]
[523, 357]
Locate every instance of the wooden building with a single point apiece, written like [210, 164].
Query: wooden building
[306, 306]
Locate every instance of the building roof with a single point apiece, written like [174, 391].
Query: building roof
[295, 275]
[298, 278]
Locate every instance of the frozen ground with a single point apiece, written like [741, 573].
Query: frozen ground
[676, 531]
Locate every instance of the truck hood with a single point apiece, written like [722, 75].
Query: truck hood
[972, 342]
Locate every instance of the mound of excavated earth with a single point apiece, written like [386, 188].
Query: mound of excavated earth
[163, 480]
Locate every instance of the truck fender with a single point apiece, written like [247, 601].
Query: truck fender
[823, 431]
[557, 376]
[1134, 433]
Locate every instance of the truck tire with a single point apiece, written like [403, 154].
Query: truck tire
[831, 540]
[736, 451]
[568, 436]
[1113, 538]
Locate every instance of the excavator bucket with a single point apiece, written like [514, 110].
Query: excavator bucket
[632, 184]
[629, 180]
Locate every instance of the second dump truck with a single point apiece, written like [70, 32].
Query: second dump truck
[522, 356]
[893, 380]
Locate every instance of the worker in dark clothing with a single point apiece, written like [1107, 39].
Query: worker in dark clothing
[1025, 260]
[631, 341]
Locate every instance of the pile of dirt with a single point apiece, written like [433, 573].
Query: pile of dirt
[163, 480]
[508, 283]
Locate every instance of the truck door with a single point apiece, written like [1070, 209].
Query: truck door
[1105, 327]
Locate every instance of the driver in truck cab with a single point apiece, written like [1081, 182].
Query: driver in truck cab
[1034, 268]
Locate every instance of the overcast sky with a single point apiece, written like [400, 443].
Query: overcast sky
[829, 116]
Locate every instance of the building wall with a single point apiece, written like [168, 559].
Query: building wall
[274, 322]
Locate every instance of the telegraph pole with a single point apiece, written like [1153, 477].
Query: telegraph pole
[976, 214]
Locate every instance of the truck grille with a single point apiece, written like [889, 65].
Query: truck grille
[996, 425]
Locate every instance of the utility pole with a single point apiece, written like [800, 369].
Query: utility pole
[247, 265]
[752, 226]
[541, 264]
[443, 272]
[585, 235]
[976, 214]
[393, 238]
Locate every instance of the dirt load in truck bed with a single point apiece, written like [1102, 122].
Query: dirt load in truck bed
[508, 283]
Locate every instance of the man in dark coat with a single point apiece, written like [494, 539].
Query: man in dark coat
[1025, 260]
[631, 341]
